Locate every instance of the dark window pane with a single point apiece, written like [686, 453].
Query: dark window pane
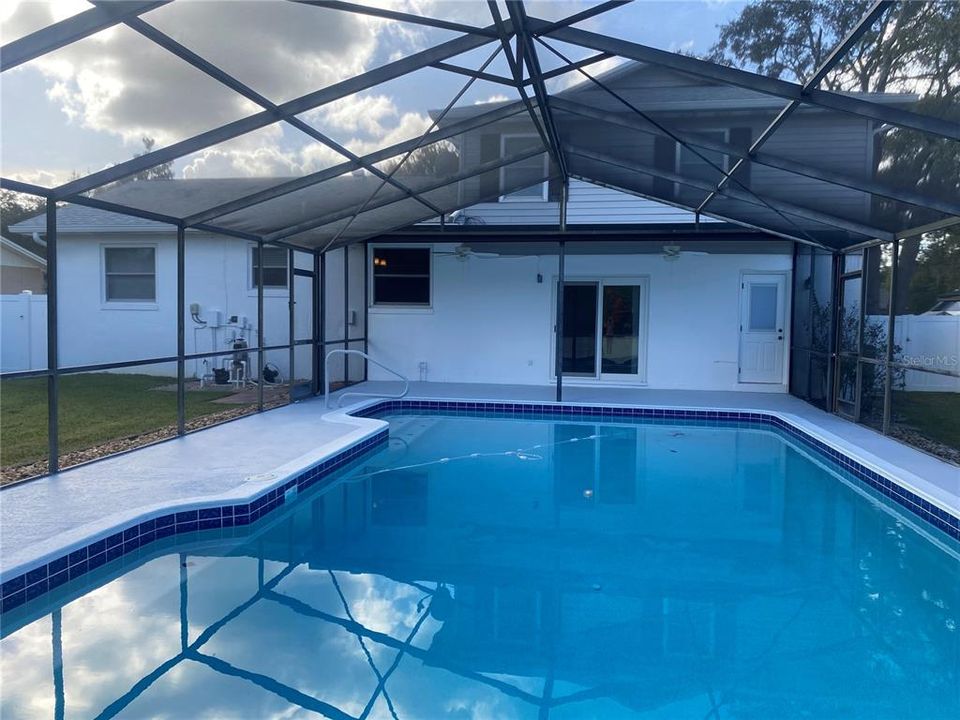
[129, 260]
[401, 276]
[402, 290]
[274, 267]
[131, 287]
[580, 329]
[401, 261]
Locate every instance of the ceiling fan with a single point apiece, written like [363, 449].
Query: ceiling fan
[673, 252]
[464, 252]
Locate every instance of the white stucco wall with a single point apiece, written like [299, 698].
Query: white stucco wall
[217, 277]
[491, 321]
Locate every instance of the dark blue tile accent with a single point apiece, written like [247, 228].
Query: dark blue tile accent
[166, 520]
[186, 516]
[130, 533]
[57, 580]
[36, 575]
[14, 585]
[183, 527]
[115, 539]
[147, 526]
[78, 556]
[114, 552]
[165, 531]
[96, 548]
[208, 524]
[207, 513]
[58, 565]
[97, 560]
[77, 570]
[36, 590]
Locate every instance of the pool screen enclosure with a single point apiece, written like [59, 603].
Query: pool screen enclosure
[512, 72]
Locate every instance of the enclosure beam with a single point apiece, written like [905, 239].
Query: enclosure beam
[319, 321]
[516, 69]
[891, 344]
[762, 158]
[318, 98]
[839, 52]
[584, 15]
[435, 122]
[208, 68]
[571, 67]
[558, 360]
[747, 197]
[527, 55]
[260, 333]
[399, 16]
[292, 326]
[53, 379]
[77, 27]
[453, 179]
[750, 81]
[671, 134]
[181, 337]
[320, 176]
[488, 77]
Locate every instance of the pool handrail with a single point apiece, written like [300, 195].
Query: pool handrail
[341, 351]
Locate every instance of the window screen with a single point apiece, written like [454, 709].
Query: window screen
[693, 165]
[130, 274]
[401, 276]
[524, 174]
[274, 267]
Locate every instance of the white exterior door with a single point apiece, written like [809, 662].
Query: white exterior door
[761, 328]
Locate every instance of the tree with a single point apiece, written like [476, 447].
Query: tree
[914, 47]
[164, 171]
[15, 207]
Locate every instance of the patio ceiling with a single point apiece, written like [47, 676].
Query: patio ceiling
[353, 191]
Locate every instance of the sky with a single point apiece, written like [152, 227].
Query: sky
[88, 105]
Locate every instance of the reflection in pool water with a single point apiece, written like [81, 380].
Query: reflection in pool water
[490, 568]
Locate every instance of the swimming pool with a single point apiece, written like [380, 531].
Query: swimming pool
[501, 567]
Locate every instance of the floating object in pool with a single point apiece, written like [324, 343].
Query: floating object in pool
[596, 586]
[588, 493]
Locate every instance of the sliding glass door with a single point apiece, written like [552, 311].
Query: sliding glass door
[602, 329]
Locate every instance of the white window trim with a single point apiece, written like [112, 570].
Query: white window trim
[545, 194]
[106, 304]
[599, 378]
[677, 150]
[267, 291]
[397, 308]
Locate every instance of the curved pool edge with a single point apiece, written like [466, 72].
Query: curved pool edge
[86, 548]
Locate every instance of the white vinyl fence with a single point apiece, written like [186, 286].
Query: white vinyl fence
[23, 332]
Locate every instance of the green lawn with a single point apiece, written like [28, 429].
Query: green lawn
[935, 415]
[94, 408]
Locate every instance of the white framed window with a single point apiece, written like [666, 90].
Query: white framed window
[693, 165]
[401, 276]
[129, 273]
[527, 175]
[272, 263]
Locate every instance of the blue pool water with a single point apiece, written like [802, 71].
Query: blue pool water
[502, 568]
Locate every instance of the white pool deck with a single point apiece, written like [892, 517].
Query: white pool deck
[46, 516]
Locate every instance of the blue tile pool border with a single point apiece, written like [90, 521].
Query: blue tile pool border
[889, 487]
[40, 580]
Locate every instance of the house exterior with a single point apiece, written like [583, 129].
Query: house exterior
[23, 268]
[653, 296]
